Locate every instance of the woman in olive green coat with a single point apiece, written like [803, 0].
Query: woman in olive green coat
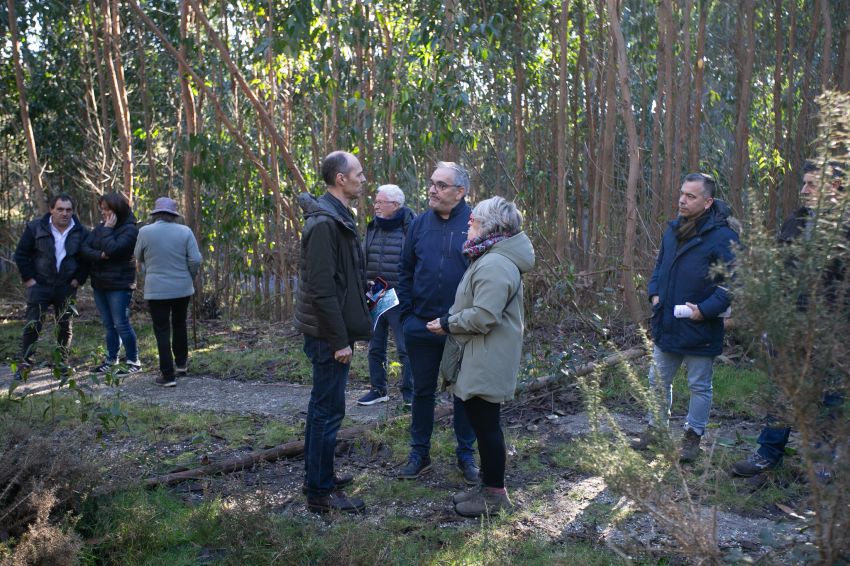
[487, 321]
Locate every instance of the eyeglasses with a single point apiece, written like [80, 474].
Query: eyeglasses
[383, 202]
[441, 186]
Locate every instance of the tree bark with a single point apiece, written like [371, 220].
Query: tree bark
[34, 166]
[779, 48]
[518, 94]
[561, 223]
[190, 124]
[628, 272]
[115, 75]
[826, 59]
[699, 73]
[146, 109]
[670, 184]
[746, 53]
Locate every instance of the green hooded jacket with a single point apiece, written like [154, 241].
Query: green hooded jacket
[488, 319]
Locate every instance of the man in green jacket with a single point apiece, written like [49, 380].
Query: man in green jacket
[332, 314]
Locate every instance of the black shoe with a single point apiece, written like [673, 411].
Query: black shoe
[22, 372]
[471, 473]
[339, 482]
[105, 367]
[373, 397]
[183, 370]
[132, 367]
[414, 468]
[336, 501]
[753, 465]
[690, 446]
[166, 381]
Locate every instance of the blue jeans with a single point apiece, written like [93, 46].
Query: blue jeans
[114, 308]
[378, 354]
[774, 436]
[324, 415]
[425, 350]
[700, 372]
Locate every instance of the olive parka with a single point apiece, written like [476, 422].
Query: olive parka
[488, 319]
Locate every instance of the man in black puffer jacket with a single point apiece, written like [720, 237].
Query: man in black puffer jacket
[52, 269]
[385, 237]
[331, 311]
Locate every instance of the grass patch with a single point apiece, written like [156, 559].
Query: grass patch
[155, 527]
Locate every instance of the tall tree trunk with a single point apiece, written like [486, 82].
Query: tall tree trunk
[683, 93]
[589, 95]
[844, 80]
[658, 177]
[669, 177]
[146, 109]
[826, 59]
[779, 48]
[746, 54]
[518, 94]
[190, 123]
[789, 194]
[115, 75]
[628, 272]
[561, 239]
[35, 167]
[99, 56]
[606, 161]
[699, 73]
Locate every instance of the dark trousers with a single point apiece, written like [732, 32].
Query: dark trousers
[484, 418]
[39, 301]
[169, 327]
[324, 415]
[774, 437]
[425, 350]
[378, 354]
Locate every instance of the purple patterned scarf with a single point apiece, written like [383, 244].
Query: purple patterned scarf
[473, 249]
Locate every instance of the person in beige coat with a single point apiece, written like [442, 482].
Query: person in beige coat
[487, 322]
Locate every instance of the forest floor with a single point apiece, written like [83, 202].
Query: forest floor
[234, 410]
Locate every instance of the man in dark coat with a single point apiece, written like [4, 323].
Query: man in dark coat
[52, 268]
[688, 305]
[332, 314]
[385, 237]
[432, 266]
[816, 197]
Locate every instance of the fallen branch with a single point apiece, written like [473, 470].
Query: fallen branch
[296, 447]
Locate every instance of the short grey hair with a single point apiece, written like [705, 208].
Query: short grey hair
[497, 215]
[461, 175]
[393, 192]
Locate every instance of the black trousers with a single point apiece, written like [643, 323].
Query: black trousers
[39, 300]
[484, 417]
[169, 327]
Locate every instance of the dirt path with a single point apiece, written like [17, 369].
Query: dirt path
[200, 393]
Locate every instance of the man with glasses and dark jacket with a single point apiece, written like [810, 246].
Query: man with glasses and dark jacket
[432, 266]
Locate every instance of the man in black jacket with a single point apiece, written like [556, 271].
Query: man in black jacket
[332, 314]
[817, 196]
[51, 265]
[385, 237]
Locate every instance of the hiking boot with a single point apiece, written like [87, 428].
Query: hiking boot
[336, 501]
[339, 482]
[690, 446]
[470, 472]
[166, 381]
[646, 438]
[414, 468]
[486, 502]
[374, 396]
[462, 496]
[181, 371]
[753, 465]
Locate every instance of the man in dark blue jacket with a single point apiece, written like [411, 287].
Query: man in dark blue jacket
[385, 237]
[688, 305]
[52, 268]
[432, 266]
